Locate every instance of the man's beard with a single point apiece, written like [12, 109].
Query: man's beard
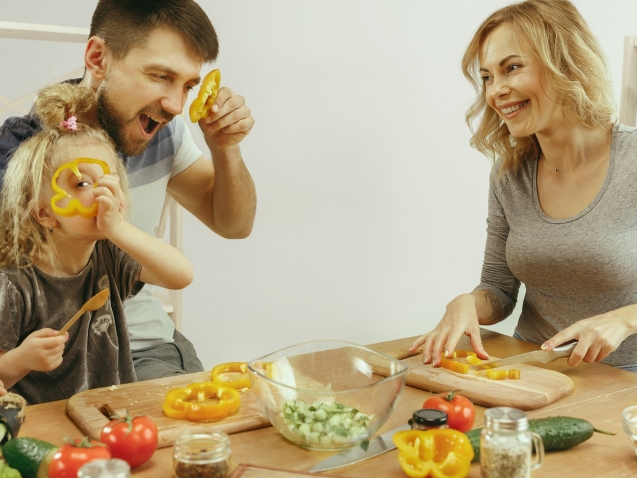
[114, 123]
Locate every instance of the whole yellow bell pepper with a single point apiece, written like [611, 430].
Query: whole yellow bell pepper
[196, 402]
[435, 453]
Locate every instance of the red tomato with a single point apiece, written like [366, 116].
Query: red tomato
[70, 457]
[459, 410]
[132, 439]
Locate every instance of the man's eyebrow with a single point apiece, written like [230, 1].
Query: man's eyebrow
[169, 70]
[503, 61]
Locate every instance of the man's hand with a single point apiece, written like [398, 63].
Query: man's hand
[228, 122]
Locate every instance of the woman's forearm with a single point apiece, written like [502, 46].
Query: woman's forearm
[488, 307]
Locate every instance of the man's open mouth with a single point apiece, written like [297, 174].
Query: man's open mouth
[150, 125]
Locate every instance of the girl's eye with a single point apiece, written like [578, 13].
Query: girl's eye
[485, 78]
[82, 183]
[513, 67]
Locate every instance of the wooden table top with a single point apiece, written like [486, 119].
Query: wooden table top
[599, 396]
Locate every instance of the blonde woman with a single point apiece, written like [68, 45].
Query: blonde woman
[563, 191]
[52, 262]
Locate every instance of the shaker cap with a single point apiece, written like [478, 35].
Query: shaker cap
[506, 418]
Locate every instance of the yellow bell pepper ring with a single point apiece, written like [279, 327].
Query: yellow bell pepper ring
[196, 402]
[436, 453]
[231, 367]
[74, 207]
[208, 90]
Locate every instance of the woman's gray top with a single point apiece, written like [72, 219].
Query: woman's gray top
[572, 268]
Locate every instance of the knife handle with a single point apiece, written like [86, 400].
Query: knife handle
[563, 350]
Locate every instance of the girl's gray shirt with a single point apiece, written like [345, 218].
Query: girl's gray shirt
[572, 268]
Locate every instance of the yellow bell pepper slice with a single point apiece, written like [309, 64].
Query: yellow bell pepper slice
[235, 367]
[514, 374]
[196, 402]
[494, 374]
[462, 353]
[455, 366]
[200, 107]
[74, 207]
[436, 453]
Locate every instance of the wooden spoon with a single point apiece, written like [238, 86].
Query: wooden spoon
[94, 303]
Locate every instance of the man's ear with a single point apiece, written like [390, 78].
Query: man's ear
[96, 60]
[44, 217]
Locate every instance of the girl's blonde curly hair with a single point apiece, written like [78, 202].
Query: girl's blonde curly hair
[572, 60]
[27, 180]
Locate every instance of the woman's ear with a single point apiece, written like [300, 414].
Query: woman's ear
[95, 60]
[44, 217]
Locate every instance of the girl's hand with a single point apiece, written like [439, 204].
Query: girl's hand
[108, 194]
[460, 317]
[42, 350]
[597, 336]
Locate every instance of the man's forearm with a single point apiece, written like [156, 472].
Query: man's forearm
[234, 199]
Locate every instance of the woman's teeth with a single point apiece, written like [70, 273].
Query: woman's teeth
[511, 109]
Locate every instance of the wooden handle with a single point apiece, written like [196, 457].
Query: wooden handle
[72, 321]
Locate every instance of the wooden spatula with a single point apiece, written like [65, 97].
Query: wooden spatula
[94, 303]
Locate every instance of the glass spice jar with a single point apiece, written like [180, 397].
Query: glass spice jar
[427, 418]
[506, 444]
[202, 452]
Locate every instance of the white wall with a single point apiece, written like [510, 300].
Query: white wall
[372, 205]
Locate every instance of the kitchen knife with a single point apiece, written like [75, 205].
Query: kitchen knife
[365, 450]
[544, 356]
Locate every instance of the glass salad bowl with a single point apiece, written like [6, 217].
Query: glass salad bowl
[327, 394]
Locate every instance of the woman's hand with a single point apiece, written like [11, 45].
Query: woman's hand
[3, 391]
[460, 317]
[597, 336]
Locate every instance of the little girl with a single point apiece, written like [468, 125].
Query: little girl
[51, 264]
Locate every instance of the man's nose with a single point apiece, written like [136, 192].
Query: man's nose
[174, 101]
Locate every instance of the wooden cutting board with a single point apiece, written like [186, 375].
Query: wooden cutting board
[146, 398]
[536, 387]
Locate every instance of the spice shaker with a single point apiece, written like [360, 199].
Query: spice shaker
[427, 418]
[112, 468]
[202, 452]
[506, 444]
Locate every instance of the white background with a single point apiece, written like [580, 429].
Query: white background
[371, 203]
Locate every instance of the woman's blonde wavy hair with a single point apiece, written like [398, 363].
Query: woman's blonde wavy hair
[27, 180]
[573, 63]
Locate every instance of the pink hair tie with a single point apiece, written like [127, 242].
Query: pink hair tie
[70, 124]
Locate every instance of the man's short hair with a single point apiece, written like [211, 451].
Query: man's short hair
[124, 24]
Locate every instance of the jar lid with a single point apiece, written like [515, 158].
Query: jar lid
[111, 468]
[429, 417]
[506, 418]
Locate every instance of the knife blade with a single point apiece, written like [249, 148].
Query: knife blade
[365, 450]
[544, 356]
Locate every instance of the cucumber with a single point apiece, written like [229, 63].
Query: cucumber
[26, 454]
[558, 433]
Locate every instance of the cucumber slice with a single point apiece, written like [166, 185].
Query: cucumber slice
[324, 423]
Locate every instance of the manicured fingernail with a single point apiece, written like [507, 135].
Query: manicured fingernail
[544, 347]
[215, 108]
[433, 362]
[424, 359]
[446, 353]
